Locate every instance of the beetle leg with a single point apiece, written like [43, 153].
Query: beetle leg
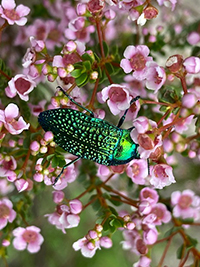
[73, 101]
[124, 116]
[63, 168]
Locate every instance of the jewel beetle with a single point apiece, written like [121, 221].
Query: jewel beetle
[89, 138]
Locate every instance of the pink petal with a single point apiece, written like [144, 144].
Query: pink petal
[19, 243]
[125, 65]
[33, 248]
[22, 10]
[3, 223]
[21, 22]
[18, 231]
[129, 51]
[11, 111]
[8, 4]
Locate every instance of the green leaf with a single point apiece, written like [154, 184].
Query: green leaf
[96, 205]
[54, 162]
[76, 73]
[86, 57]
[87, 65]
[49, 157]
[105, 48]
[26, 143]
[109, 68]
[82, 79]
[180, 251]
[115, 202]
[193, 242]
[172, 230]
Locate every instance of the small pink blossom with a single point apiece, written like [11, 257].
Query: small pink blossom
[143, 262]
[189, 100]
[192, 65]
[29, 237]
[78, 30]
[7, 214]
[182, 125]
[21, 85]
[148, 197]
[8, 165]
[161, 176]
[12, 15]
[75, 206]
[117, 97]
[66, 217]
[21, 185]
[5, 187]
[162, 214]
[8, 116]
[143, 134]
[137, 170]
[135, 60]
[155, 76]
[193, 38]
[87, 248]
[58, 196]
[186, 204]
[69, 175]
[150, 236]
[168, 3]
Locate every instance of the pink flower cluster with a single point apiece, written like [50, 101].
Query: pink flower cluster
[150, 214]
[65, 217]
[143, 67]
[92, 241]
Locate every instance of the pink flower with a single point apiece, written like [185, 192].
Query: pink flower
[7, 214]
[189, 100]
[161, 176]
[143, 134]
[155, 76]
[117, 97]
[137, 170]
[192, 65]
[69, 175]
[168, 3]
[66, 217]
[150, 236]
[5, 187]
[8, 165]
[12, 15]
[21, 185]
[149, 194]
[135, 60]
[143, 262]
[77, 30]
[182, 125]
[58, 196]
[21, 85]
[148, 197]
[29, 237]
[8, 118]
[186, 204]
[162, 214]
[87, 248]
[193, 38]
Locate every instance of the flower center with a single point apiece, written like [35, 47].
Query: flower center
[22, 85]
[185, 202]
[116, 94]
[11, 14]
[4, 211]
[29, 236]
[138, 62]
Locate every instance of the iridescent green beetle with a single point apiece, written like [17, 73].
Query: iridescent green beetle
[88, 137]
